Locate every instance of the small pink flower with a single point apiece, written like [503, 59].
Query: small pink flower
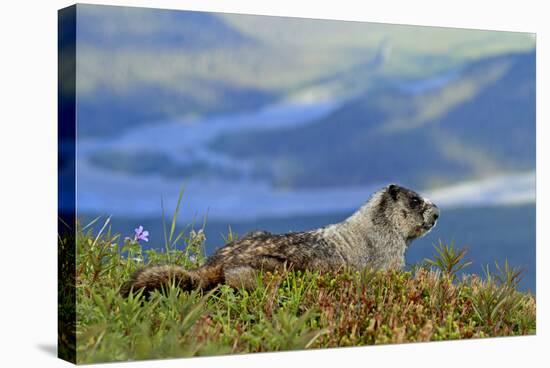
[140, 234]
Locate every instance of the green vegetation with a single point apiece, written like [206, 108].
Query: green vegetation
[288, 310]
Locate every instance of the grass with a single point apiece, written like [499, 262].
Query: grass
[287, 310]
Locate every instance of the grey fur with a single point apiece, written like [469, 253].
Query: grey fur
[375, 236]
[378, 234]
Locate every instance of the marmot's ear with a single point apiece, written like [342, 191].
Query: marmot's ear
[393, 190]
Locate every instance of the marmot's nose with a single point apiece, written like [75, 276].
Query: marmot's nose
[435, 213]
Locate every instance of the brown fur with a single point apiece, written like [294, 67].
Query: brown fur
[376, 236]
[155, 277]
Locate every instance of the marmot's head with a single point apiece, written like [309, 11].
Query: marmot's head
[407, 211]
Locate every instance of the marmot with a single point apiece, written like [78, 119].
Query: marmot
[376, 236]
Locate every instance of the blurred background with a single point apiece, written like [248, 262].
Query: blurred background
[287, 124]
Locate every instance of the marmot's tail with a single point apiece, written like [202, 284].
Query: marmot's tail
[156, 277]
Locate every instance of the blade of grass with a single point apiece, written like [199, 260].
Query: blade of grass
[175, 216]
[101, 231]
[91, 223]
[63, 222]
[164, 228]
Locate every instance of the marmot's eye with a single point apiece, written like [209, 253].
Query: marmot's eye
[415, 202]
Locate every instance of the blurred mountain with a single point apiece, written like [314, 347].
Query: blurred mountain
[119, 27]
[501, 119]
[480, 122]
[139, 66]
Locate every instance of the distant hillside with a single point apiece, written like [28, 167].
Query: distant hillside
[501, 119]
[405, 50]
[139, 66]
[480, 123]
[120, 27]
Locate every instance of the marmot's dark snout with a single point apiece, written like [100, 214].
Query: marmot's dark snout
[436, 213]
[431, 215]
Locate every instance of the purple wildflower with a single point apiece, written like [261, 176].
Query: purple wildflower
[140, 234]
